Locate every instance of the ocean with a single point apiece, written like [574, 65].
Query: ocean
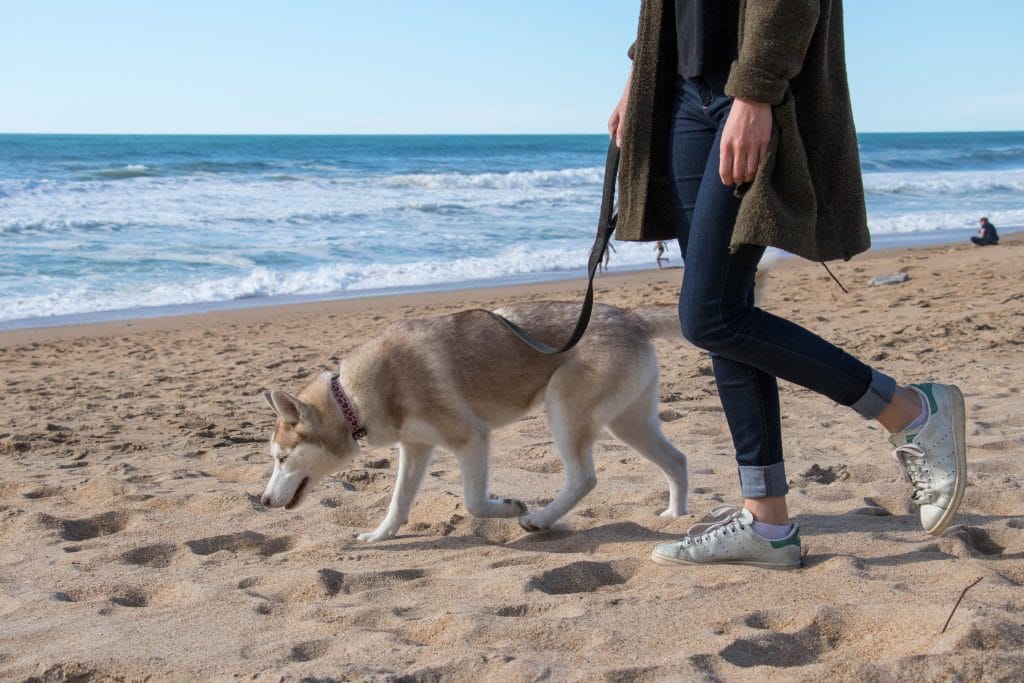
[108, 227]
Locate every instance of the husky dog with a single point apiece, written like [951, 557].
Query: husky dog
[450, 381]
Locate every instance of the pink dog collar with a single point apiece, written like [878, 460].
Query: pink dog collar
[358, 432]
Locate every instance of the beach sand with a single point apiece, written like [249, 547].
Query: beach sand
[133, 454]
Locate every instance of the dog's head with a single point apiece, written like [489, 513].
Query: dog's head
[308, 444]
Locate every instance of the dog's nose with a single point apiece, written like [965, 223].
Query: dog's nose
[265, 499]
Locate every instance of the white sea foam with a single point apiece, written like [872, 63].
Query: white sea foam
[95, 207]
[70, 296]
[501, 181]
[933, 221]
[942, 184]
[122, 172]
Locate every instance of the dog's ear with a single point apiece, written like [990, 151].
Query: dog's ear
[287, 407]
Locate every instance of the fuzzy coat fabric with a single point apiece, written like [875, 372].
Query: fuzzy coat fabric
[808, 196]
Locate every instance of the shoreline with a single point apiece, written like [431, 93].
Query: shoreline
[129, 317]
[386, 305]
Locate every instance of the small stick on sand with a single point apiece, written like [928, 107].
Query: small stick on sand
[962, 594]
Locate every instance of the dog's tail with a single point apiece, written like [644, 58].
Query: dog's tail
[660, 321]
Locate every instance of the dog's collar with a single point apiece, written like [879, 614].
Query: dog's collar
[358, 431]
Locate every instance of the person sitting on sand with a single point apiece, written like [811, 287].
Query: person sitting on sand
[986, 234]
[748, 142]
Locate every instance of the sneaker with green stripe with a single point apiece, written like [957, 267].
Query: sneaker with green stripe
[729, 538]
[933, 457]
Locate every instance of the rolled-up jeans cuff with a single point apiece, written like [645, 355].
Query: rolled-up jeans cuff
[877, 397]
[763, 482]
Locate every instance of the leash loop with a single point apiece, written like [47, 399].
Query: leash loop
[605, 227]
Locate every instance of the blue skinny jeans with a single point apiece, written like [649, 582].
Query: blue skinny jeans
[749, 347]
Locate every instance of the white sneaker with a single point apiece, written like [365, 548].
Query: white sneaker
[729, 538]
[934, 457]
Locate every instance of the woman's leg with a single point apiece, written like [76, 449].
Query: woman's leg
[750, 347]
[705, 212]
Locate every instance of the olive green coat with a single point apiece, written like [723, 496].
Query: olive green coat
[807, 197]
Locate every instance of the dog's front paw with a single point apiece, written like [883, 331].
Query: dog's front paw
[674, 513]
[533, 523]
[379, 534]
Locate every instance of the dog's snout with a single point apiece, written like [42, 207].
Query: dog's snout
[265, 500]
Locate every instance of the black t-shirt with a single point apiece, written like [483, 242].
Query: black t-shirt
[706, 36]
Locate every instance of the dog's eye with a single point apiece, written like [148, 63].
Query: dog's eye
[281, 459]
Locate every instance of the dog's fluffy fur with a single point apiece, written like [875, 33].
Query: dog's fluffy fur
[450, 381]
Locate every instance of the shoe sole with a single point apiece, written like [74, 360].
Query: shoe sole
[956, 400]
[675, 562]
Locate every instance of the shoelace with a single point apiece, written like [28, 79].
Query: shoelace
[910, 458]
[724, 518]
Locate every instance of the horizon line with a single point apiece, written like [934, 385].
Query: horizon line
[435, 134]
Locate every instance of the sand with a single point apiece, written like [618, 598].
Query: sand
[134, 546]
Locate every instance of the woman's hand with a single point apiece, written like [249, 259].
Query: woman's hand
[618, 116]
[745, 139]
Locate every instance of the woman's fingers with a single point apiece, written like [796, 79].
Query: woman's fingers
[613, 124]
[738, 164]
[618, 116]
[744, 141]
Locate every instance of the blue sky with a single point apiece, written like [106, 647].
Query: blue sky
[447, 66]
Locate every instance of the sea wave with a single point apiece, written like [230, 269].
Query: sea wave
[59, 226]
[121, 172]
[938, 220]
[572, 177]
[87, 295]
[946, 183]
[180, 205]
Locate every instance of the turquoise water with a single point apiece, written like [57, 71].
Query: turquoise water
[106, 226]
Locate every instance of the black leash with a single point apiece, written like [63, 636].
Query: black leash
[605, 228]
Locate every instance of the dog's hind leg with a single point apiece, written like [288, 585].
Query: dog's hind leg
[413, 459]
[574, 439]
[638, 427]
[474, 463]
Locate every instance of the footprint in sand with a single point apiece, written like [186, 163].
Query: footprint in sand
[91, 527]
[243, 541]
[158, 555]
[970, 541]
[513, 611]
[335, 582]
[309, 650]
[43, 492]
[782, 650]
[827, 475]
[582, 577]
[129, 596]
[1000, 445]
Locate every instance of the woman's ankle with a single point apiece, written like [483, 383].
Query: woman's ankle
[770, 510]
[903, 409]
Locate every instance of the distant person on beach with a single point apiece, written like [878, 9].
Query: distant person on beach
[986, 234]
[659, 251]
[747, 141]
[606, 257]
